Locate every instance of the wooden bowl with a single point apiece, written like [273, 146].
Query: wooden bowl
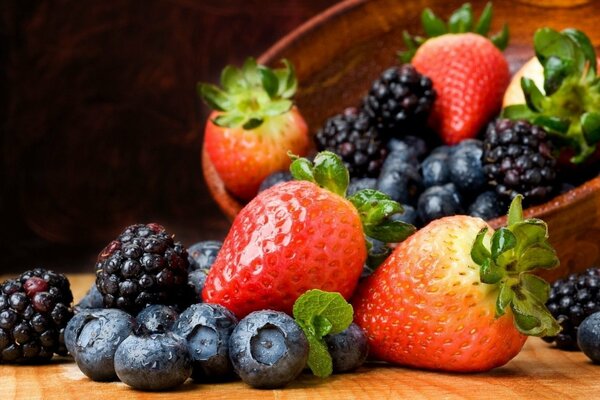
[338, 53]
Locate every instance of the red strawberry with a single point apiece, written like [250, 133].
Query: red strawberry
[468, 72]
[298, 236]
[443, 301]
[254, 126]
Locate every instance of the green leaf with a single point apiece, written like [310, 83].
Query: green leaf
[504, 299]
[515, 211]
[480, 253]
[329, 305]
[529, 232]
[319, 313]
[374, 206]
[585, 46]
[319, 359]
[251, 73]
[214, 97]
[538, 256]
[550, 43]
[331, 173]
[502, 241]
[376, 254]
[433, 25]
[301, 169]
[530, 313]
[485, 20]
[590, 125]
[277, 107]
[411, 46]
[229, 120]
[490, 272]
[461, 20]
[390, 231]
[288, 87]
[252, 123]
[533, 96]
[501, 38]
[536, 287]
[552, 123]
[269, 81]
[232, 78]
[555, 71]
[518, 111]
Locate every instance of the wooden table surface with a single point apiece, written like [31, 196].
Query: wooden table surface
[538, 372]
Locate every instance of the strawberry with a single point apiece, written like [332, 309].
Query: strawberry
[444, 301]
[300, 235]
[253, 126]
[468, 71]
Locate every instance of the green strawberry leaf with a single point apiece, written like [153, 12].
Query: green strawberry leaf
[390, 231]
[479, 253]
[533, 96]
[516, 250]
[485, 20]
[555, 71]
[552, 124]
[269, 81]
[586, 47]
[433, 25]
[214, 97]
[301, 169]
[321, 313]
[501, 38]
[250, 95]
[518, 111]
[331, 173]
[461, 20]
[409, 41]
[515, 211]
[502, 241]
[232, 78]
[590, 125]
[549, 43]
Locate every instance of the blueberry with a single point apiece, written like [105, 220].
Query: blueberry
[488, 205]
[157, 318]
[97, 340]
[466, 167]
[439, 201]
[359, 184]
[155, 361]
[402, 182]
[74, 327]
[274, 179]
[207, 328]
[348, 349]
[442, 150]
[92, 299]
[412, 147]
[435, 170]
[410, 215]
[588, 337]
[202, 255]
[268, 349]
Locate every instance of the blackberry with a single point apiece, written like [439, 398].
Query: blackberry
[350, 136]
[518, 159]
[143, 266]
[572, 300]
[34, 311]
[399, 101]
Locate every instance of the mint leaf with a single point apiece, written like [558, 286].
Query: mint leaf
[321, 313]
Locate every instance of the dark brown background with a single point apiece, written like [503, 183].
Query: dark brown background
[100, 123]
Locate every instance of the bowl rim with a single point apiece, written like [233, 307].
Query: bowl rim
[230, 206]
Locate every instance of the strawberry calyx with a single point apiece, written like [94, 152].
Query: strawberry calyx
[461, 21]
[375, 209]
[251, 94]
[516, 250]
[568, 106]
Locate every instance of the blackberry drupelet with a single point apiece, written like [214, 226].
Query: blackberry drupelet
[350, 136]
[572, 300]
[518, 159]
[34, 311]
[399, 101]
[143, 266]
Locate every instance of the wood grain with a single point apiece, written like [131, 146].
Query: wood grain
[539, 372]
